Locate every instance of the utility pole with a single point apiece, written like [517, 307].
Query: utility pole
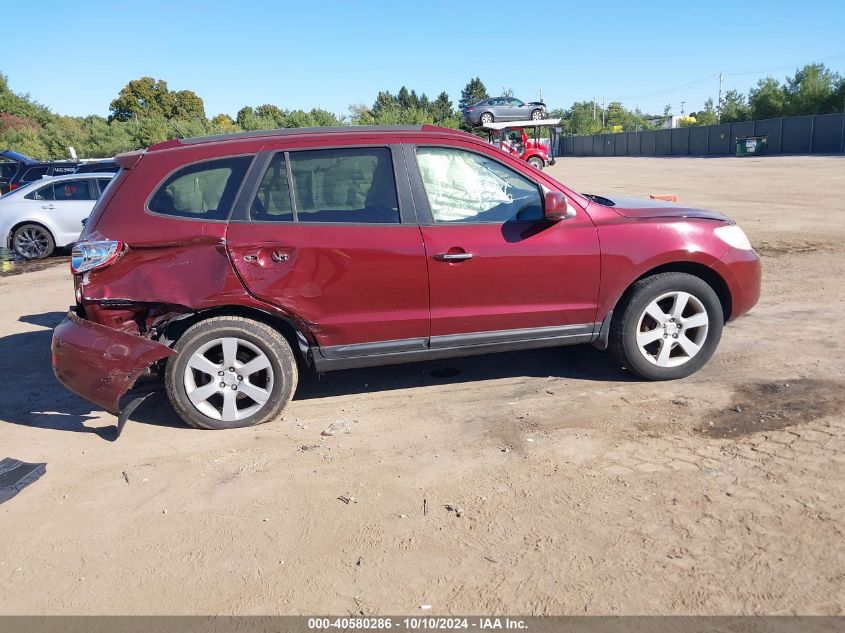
[602, 113]
[682, 108]
[594, 108]
[719, 103]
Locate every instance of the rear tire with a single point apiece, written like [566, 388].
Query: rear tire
[667, 326]
[230, 373]
[486, 118]
[537, 114]
[33, 241]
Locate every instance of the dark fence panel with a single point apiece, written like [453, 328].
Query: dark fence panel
[770, 128]
[699, 144]
[663, 142]
[819, 134]
[797, 135]
[648, 142]
[680, 141]
[827, 134]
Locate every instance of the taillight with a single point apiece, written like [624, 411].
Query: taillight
[470, 109]
[91, 255]
[13, 186]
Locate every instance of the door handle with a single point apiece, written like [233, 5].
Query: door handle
[452, 257]
[47, 206]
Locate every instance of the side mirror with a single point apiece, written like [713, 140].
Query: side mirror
[557, 207]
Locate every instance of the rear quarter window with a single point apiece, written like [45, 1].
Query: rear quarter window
[203, 190]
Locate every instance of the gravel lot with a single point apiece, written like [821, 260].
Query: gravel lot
[571, 488]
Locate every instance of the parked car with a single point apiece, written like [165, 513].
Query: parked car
[502, 109]
[10, 163]
[43, 215]
[98, 166]
[18, 170]
[223, 264]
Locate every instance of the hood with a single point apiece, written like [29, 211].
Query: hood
[649, 208]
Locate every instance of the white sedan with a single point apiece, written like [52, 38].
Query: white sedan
[48, 213]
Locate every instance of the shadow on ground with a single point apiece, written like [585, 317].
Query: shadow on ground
[32, 396]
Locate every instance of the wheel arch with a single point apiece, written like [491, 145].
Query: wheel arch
[294, 333]
[705, 273]
[40, 223]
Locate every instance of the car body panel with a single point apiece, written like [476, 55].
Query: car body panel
[80, 345]
[366, 294]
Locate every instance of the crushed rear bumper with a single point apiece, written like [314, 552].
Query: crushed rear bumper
[100, 363]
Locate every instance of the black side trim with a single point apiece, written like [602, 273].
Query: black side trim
[415, 350]
[373, 349]
[506, 336]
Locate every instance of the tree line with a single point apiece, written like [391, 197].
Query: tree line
[146, 111]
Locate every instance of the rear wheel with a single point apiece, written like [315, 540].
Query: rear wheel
[536, 161]
[33, 241]
[667, 327]
[486, 118]
[230, 372]
[537, 114]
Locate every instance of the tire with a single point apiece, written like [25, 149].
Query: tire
[536, 161]
[486, 118]
[33, 241]
[202, 347]
[537, 114]
[674, 309]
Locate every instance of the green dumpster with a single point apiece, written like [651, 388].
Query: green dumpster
[751, 145]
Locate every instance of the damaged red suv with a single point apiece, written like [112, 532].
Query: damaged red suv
[226, 264]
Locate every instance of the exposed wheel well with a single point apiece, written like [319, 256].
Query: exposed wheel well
[713, 279]
[177, 326]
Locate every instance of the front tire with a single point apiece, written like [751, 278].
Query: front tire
[33, 241]
[536, 161]
[667, 326]
[230, 373]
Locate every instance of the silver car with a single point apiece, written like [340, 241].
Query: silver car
[502, 109]
[48, 213]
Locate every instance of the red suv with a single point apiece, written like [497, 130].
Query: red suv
[225, 264]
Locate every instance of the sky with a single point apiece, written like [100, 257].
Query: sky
[74, 57]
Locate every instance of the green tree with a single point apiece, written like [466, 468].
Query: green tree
[441, 109]
[186, 105]
[767, 100]
[734, 108]
[144, 97]
[473, 92]
[811, 91]
[581, 120]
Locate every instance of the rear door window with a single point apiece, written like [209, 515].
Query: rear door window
[8, 170]
[345, 185]
[203, 190]
[74, 190]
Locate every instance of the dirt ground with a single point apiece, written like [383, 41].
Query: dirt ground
[571, 488]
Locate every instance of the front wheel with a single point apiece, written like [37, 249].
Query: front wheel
[667, 326]
[230, 372]
[536, 161]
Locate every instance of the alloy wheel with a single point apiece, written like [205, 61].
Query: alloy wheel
[672, 329]
[32, 242]
[228, 379]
